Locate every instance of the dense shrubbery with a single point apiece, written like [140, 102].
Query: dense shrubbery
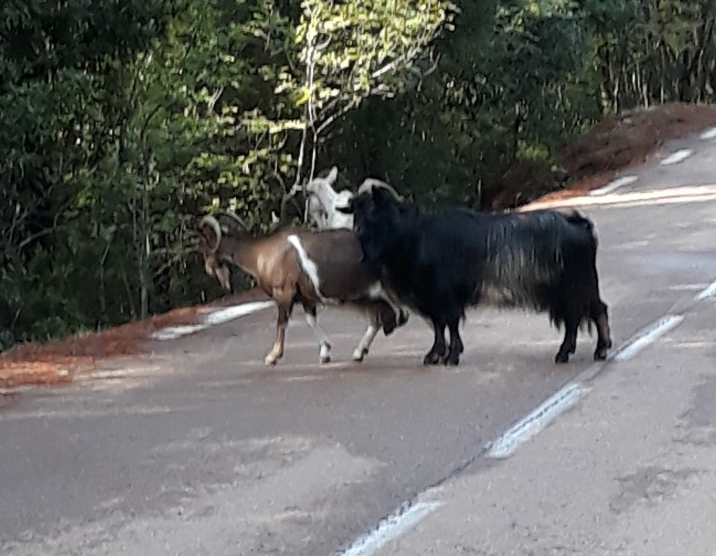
[120, 122]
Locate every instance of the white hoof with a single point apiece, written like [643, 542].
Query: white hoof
[325, 354]
[270, 361]
[359, 354]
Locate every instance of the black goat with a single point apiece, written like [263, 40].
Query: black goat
[440, 264]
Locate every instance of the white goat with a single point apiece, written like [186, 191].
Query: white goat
[324, 201]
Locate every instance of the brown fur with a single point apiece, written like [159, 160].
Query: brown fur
[274, 262]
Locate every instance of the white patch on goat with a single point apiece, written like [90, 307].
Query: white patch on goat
[365, 342]
[375, 291]
[308, 266]
[321, 338]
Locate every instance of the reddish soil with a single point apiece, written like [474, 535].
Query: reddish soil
[617, 143]
[591, 161]
[57, 362]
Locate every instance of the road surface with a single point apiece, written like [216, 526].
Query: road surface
[200, 449]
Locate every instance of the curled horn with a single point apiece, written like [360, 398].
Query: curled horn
[213, 223]
[234, 217]
[369, 184]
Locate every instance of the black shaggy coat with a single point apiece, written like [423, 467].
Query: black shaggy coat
[442, 263]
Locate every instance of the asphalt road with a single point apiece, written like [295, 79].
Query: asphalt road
[200, 449]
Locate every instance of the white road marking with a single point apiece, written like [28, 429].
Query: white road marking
[647, 336]
[708, 291]
[218, 316]
[614, 184]
[708, 134]
[677, 157]
[303, 378]
[684, 194]
[390, 528]
[507, 443]
[174, 332]
[221, 316]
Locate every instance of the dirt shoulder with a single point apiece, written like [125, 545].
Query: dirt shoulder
[57, 362]
[615, 144]
[591, 161]
[624, 141]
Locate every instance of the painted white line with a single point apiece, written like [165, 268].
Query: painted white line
[507, 443]
[708, 134]
[390, 528]
[614, 184]
[709, 291]
[174, 332]
[305, 378]
[677, 157]
[218, 316]
[683, 194]
[221, 316]
[647, 336]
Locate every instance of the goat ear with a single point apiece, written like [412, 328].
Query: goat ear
[333, 175]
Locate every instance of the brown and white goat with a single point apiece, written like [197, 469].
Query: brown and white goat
[308, 267]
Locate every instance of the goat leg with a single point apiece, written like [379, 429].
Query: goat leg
[456, 346]
[437, 352]
[604, 342]
[324, 346]
[569, 345]
[381, 314]
[284, 313]
[365, 342]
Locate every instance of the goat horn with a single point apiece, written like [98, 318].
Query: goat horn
[371, 183]
[213, 223]
[235, 217]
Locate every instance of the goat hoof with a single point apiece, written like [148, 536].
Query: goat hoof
[270, 361]
[561, 357]
[359, 354]
[432, 359]
[325, 359]
[600, 354]
[452, 360]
